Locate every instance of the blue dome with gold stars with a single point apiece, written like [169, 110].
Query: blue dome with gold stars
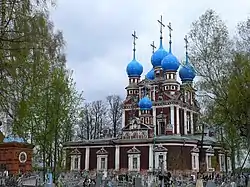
[150, 75]
[158, 56]
[134, 68]
[145, 103]
[170, 63]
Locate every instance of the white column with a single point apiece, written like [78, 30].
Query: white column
[117, 157]
[192, 122]
[123, 118]
[72, 159]
[87, 158]
[154, 119]
[150, 164]
[185, 121]
[172, 117]
[177, 120]
[165, 161]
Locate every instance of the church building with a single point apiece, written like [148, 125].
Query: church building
[160, 120]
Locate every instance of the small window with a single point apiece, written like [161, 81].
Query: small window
[103, 164]
[135, 163]
[146, 120]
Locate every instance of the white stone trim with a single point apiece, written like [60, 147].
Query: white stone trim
[229, 164]
[195, 161]
[177, 120]
[73, 167]
[123, 118]
[209, 162]
[172, 118]
[87, 158]
[157, 164]
[185, 121]
[117, 157]
[154, 119]
[130, 162]
[222, 162]
[99, 158]
[192, 122]
[137, 145]
[150, 159]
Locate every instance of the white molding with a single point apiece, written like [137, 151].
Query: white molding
[192, 122]
[137, 145]
[157, 164]
[123, 118]
[150, 157]
[209, 160]
[195, 158]
[87, 158]
[130, 162]
[222, 162]
[117, 157]
[154, 119]
[172, 118]
[72, 161]
[177, 120]
[98, 161]
[185, 121]
[229, 164]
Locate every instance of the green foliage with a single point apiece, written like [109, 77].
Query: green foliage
[223, 78]
[37, 90]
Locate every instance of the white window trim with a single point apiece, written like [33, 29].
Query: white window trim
[195, 157]
[99, 158]
[72, 159]
[157, 164]
[221, 158]
[130, 162]
[229, 164]
[209, 156]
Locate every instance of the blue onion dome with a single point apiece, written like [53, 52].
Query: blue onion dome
[158, 56]
[150, 75]
[134, 68]
[10, 138]
[187, 72]
[170, 63]
[145, 103]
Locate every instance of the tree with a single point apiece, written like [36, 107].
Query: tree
[37, 90]
[211, 53]
[115, 113]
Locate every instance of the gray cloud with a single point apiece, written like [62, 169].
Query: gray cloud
[99, 42]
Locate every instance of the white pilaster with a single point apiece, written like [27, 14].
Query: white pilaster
[172, 117]
[192, 122]
[123, 118]
[150, 164]
[185, 121]
[154, 119]
[117, 157]
[87, 158]
[177, 121]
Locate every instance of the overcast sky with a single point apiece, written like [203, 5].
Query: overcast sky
[99, 42]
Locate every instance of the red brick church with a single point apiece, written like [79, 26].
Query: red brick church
[160, 123]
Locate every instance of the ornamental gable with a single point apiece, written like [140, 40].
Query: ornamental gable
[75, 152]
[160, 148]
[102, 151]
[195, 150]
[134, 150]
[210, 150]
